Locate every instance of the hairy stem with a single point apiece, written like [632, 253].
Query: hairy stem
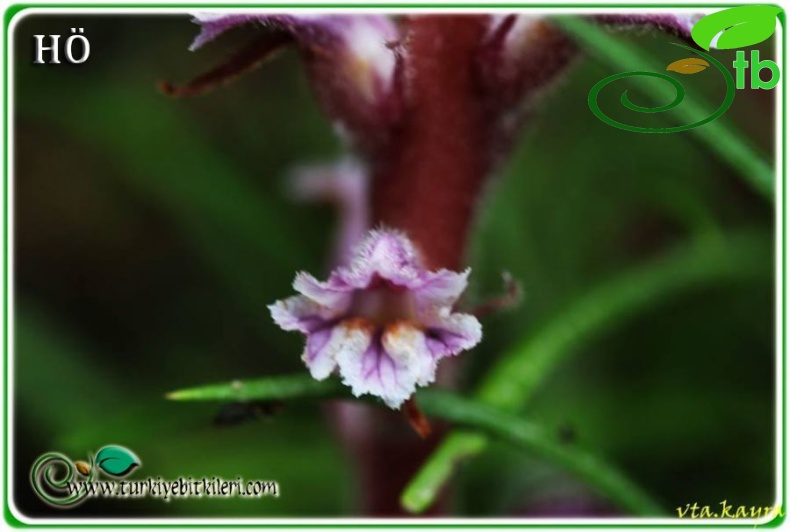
[426, 184]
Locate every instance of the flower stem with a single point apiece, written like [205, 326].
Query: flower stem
[431, 177]
[427, 184]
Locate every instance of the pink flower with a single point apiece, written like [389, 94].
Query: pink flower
[382, 321]
[349, 59]
[429, 103]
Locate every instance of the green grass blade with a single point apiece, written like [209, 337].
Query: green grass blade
[266, 389]
[514, 379]
[533, 439]
[450, 407]
[719, 136]
[512, 382]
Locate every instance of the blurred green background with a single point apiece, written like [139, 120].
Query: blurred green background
[150, 233]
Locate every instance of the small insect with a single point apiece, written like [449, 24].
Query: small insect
[239, 412]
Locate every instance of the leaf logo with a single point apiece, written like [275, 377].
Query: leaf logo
[690, 65]
[116, 460]
[83, 467]
[737, 27]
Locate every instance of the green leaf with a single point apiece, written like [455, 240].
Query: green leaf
[450, 407]
[532, 438]
[266, 389]
[116, 460]
[742, 26]
[516, 377]
[511, 383]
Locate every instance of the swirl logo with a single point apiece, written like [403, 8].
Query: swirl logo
[731, 28]
[62, 483]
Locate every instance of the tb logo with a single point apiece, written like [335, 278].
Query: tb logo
[76, 48]
[741, 64]
[740, 27]
[736, 27]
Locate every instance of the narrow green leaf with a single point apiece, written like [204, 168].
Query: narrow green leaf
[450, 407]
[719, 135]
[514, 379]
[269, 388]
[42, 342]
[530, 437]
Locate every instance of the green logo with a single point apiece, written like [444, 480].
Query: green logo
[736, 27]
[53, 475]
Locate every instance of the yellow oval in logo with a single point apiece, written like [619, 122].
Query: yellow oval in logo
[690, 65]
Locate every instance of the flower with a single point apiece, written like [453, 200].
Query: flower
[429, 104]
[350, 61]
[382, 321]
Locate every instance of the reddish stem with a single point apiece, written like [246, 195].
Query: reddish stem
[426, 184]
[416, 418]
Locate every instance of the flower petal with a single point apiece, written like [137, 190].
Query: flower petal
[393, 365]
[318, 353]
[405, 343]
[299, 313]
[347, 339]
[441, 288]
[453, 333]
[387, 255]
[212, 25]
[329, 295]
